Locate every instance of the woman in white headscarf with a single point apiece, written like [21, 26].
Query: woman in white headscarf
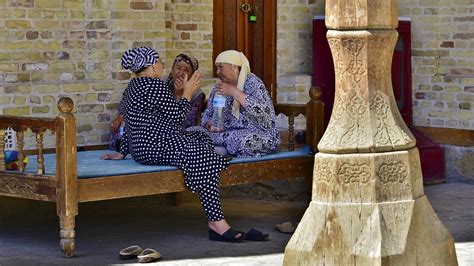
[250, 128]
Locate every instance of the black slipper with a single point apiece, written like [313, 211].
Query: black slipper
[229, 236]
[255, 235]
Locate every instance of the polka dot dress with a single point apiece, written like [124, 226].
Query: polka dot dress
[153, 136]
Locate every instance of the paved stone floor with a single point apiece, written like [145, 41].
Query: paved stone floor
[29, 232]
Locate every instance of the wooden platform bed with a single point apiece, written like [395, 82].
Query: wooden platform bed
[63, 177]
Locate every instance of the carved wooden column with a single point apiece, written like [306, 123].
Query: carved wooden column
[368, 205]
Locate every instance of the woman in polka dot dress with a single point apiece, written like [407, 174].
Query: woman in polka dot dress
[153, 136]
[182, 65]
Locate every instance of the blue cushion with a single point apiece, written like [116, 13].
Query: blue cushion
[90, 166]
[11, 156]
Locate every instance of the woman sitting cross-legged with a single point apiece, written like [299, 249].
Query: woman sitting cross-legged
[154, 136]
[249, 122]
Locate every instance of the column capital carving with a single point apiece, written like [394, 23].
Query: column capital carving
[365, 116]
[361, 14]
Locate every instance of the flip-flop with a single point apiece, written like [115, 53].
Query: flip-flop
[227, 236]
[286, 228]
[130, 252]
[255, 235]
[149, 255]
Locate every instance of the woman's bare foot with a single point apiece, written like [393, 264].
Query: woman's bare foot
[220, 227]
[222, 151]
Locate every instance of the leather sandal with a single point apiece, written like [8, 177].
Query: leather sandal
[256, 235]
[149, 255]
[228, 236]
[130, 252]
[286, 228]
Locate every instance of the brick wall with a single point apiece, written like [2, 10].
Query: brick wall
[189, 27]
[294, 53]
[53, 48]
[294, 35]
[443, 61]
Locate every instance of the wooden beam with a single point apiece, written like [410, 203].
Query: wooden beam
[451, 136]
[28, 186]
[114, 187]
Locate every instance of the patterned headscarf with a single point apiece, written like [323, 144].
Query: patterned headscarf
[137, 58]
[236, 58]
[191, 61]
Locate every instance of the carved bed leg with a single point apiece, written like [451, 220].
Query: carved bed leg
[67, 233]
[66, 173]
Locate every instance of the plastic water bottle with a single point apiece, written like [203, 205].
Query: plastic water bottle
[122, 129]
[217, 117]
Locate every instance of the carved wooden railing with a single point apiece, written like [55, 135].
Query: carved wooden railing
[20, 125]
[38, 125]
[314, 113]
[18, 183]
[63, 188]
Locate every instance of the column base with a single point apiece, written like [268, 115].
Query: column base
[393, 224]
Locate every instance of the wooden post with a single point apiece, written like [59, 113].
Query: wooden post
[40, 158]
[368, 205]
[2, 149]
[66, 173]
[314, 118]
[291, 133]
[314, 126]
[19, 145]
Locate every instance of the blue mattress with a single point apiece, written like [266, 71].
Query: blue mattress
[90, 165]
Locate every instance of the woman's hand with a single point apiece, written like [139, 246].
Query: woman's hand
[227, 89]
[112, 156]
[214, 129]
[211, 128]
[191, 85]
[178, 84]
[115, 125]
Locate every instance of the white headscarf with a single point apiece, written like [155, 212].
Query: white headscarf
[236, 58]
